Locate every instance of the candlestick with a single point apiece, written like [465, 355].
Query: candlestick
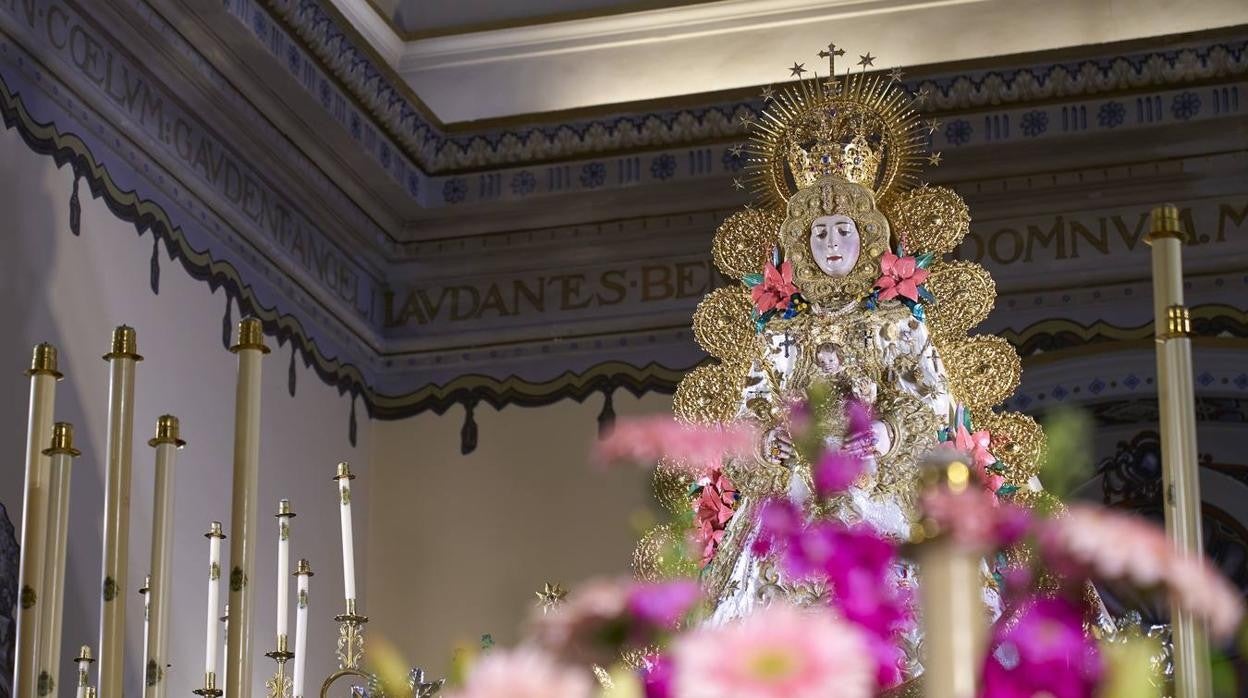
[303, 573]
[62, 454]
[1179, 469]
[278, 686]
[954, 628]
[284, 515]
[214, 536]
[84, 661]
[344, 478]
[210, 689]
[122, 360]
[167, 442]
[43, 378]
[249, 348]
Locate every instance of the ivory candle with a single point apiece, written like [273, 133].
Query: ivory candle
[303, 572]
[33, 593]
[122, 360]
[284, 515]
[245, 506]
[344, 478]
[214, 536]
[167, 442]
[62, 454]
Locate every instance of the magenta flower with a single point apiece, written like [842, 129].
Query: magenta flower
[656, 677]
[776, 289]
[899, 276]
[663, 604]
[835, 472]
[1045, 653]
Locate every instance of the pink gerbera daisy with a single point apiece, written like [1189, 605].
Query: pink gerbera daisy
[779, 652]
[524, 672]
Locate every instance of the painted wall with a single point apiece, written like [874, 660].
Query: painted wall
[459, 544]
[72, 291]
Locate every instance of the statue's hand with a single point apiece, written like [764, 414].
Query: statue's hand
[777, 446]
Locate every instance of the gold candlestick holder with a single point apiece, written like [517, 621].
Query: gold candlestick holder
[350, 637]
[279, 685]
[210, 689]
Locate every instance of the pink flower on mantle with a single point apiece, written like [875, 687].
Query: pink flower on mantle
[713, 510]
[776, 289]
[975, 444]
[900, 276]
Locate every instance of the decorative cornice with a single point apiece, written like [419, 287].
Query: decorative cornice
[435, 148]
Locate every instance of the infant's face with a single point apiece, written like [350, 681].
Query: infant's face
[835, 244]
[827, 358]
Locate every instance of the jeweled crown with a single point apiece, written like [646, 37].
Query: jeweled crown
[841, 142]
[863, 128]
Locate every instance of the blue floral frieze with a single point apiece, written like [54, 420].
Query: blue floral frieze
[1185, 105]
[663, 167]
[958, 132]
[1111, 115]
[1035, 123]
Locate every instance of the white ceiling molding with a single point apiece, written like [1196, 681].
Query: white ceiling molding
[375, 29]
[707, 47]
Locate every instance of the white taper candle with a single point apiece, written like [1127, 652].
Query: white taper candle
[344, 478]
[284, 515]
[214, 536]
[303, 572]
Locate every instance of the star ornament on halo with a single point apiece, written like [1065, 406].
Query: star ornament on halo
[896, 74]
[934, 158]
[867, 60]
[768, 94]
[797, 69]
[551, 596]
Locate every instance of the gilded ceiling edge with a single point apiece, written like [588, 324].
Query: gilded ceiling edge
[1050, 336]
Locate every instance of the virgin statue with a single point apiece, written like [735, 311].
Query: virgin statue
[844, 287]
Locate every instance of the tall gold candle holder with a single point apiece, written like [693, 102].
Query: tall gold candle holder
[279, 685]
[43, 377]
[122, 359]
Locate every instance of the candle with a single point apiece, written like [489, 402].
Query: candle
[245, 506]
[284, 515]
[43, 378]
[122, 359]
[214, 536]
[303, 572]
[344, 478]
[156, 612]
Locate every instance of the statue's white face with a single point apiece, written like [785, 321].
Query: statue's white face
[835, 244]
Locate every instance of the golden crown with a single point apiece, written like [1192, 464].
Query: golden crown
[859, 127]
